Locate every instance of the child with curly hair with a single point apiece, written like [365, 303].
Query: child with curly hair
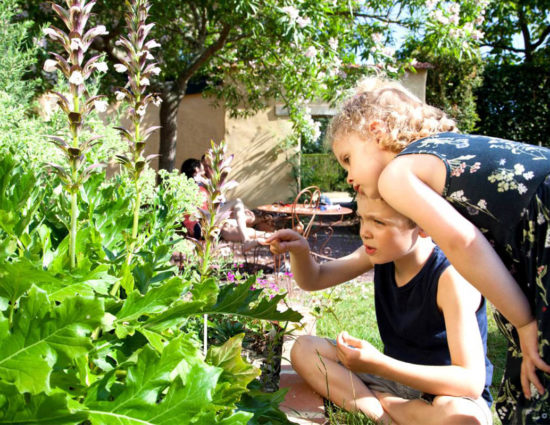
[484, 201]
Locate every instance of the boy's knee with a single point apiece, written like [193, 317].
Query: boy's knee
[302, 349]
[460, 411]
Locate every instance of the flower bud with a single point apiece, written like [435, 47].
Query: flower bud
[76, 78]
[101, 66]
[100, 105]
[120, 68]
[50, 65]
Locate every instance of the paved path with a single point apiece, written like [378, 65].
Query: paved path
[302, 405]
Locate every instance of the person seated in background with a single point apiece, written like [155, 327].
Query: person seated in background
[236, 227]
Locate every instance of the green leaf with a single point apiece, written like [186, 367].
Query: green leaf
[237, 374]
[42, 334]
[154, 301]
[237, 299]
[265, 407]
[80, 283]
[174, 387]
[206, 291]
[17, 408]
[16, 278]
[174, 316]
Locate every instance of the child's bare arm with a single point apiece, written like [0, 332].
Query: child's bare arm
[465, 377]
[468, 250]
[310, 275]
[459, 301]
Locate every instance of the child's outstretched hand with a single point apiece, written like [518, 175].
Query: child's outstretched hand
[528, 338]
[287, 240]
[356, 354]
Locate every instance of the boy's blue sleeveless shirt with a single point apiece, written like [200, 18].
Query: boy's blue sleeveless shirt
[411, 325]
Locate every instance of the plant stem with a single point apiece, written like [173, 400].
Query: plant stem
[205, 263]
[205, 335]
[72, 238]
[73, 191]
[137, 206]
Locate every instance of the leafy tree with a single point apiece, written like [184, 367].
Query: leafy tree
[506, 20]
[513, 100]
[245, 52]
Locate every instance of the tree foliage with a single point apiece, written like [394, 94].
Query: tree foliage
[246, 52]
[514, 103]
[517, 31]
[451, 85]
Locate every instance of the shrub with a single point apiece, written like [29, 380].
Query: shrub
[323, 170]
[514, 103]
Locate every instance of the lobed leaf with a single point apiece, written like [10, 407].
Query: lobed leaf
[42, 409]
[41, 333]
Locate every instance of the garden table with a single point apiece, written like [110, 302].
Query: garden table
[311, 210]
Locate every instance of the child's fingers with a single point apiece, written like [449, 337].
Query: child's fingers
[541, 364]
[283, 235]
[349, 340]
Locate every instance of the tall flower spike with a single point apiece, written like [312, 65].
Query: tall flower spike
[138, 62]
[77, 105]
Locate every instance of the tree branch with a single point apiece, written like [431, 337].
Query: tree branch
[203, 57]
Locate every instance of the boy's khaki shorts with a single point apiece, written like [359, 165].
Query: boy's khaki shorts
[380, 384]
[383, 385]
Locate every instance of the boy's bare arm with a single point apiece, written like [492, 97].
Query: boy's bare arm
[310, 275]
[465, 377]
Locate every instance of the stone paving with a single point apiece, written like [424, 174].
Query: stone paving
[302, 405]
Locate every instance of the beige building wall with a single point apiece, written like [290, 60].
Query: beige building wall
[260, 165]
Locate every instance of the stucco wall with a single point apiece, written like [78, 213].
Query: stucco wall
[259, 165]
[198, 123]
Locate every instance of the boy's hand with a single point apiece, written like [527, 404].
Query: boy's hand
[528, 338]
[356, 354]
[287, 240]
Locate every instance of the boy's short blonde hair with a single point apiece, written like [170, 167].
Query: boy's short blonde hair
[405, 116]
[361, 196]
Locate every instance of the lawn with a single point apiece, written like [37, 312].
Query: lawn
[339, 309]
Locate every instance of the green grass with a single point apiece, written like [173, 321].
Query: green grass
[350, 307]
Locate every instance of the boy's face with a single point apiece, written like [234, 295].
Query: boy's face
[386, 234]
[363, 159]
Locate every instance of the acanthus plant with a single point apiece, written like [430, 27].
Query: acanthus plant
[137, 61]
[78, 104]
[216, 184]
[96, 358]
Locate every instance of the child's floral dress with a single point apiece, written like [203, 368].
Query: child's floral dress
[503, 188]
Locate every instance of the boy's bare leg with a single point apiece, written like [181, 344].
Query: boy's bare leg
[444, 410]
[316, 362]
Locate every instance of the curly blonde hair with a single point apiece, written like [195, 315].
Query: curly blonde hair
[406, 117]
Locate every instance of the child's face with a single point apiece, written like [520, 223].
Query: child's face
[386, 234]
[363, 159]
